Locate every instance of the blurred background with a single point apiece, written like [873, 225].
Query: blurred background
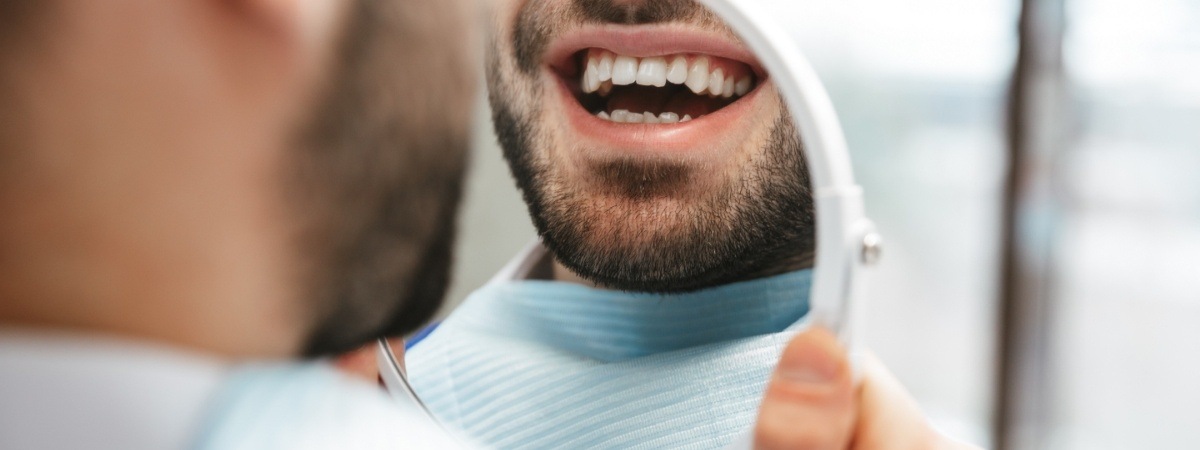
[1077, 324]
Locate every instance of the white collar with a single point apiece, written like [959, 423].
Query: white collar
[64, 390]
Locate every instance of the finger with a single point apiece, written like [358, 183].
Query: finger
[889, 418]
[809, 403]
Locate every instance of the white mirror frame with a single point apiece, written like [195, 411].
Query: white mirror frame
[846, 240]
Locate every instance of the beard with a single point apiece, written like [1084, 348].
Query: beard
[378, 177]
[639, 224]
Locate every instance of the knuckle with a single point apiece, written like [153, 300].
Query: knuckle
[807, 394]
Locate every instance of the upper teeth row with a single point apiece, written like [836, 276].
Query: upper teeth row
[655, 71]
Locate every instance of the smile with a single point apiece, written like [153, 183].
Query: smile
[653, 88]
[659, 89]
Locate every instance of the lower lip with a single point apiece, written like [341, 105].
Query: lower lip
[653, 139]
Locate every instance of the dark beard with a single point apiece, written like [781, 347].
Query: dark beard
[379, 176]
[760, 225]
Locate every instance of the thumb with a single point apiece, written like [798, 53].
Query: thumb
[809, 402]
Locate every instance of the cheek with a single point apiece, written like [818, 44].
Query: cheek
[754, 149]
[504, 13]
[755, 144]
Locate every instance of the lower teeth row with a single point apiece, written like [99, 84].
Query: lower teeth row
[623, 116]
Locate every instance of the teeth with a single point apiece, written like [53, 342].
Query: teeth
[624, 116]
[624, 71]
[591, 77]
[678, 72]
[697, 79]
[716, 82]
[605, 66]
[743, 86]
[652, 72]
[604, 69]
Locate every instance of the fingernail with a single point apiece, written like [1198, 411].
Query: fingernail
[809, 363]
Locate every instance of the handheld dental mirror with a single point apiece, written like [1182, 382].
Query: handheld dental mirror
[847, 243]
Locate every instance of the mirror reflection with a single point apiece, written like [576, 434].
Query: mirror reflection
[675, 226]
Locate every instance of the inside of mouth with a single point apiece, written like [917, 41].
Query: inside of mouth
[656, 101]
[601, 89]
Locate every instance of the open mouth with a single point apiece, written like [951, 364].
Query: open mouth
[664, 90]
[661, 89]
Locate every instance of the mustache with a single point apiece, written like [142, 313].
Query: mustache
[637, 12]
[537, 23]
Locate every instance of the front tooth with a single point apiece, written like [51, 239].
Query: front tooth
[605, 67]
[603, 115]
[652, 72]
[635, 118]
[591, 80]
[685, 118]
[650, 117]
[668, 117]
[697, 79]
[716, 82]
[678, 72]
[620, 116]
[743, 86]
[624, 70]
[727, 91]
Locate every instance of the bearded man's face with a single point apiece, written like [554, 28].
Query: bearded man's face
[652, 149]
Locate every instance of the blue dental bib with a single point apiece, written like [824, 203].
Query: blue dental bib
[540, 364]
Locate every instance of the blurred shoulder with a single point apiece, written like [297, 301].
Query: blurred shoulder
[312, 406]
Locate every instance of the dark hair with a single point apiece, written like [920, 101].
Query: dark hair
[380, 171]
[21, 24]
[19, 17]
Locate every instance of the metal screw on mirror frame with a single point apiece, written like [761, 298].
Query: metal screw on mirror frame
[872, 249]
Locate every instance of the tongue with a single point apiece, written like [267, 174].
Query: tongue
[659, 100]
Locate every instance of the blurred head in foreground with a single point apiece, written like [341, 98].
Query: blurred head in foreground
[252, 178]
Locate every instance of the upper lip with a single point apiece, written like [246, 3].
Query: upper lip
[645, 41]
